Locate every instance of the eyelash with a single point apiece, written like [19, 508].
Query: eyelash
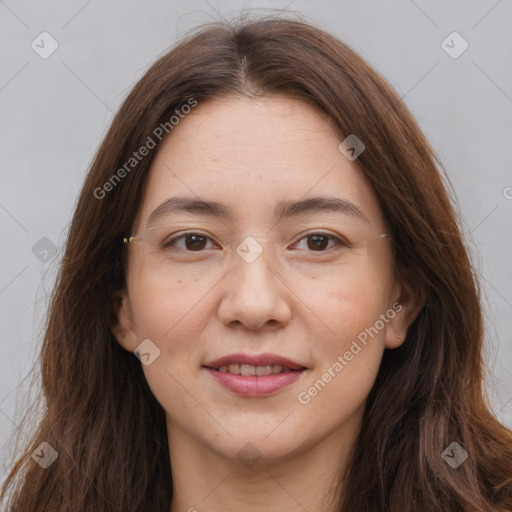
[340, 242]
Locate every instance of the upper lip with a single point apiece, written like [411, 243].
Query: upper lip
[258, 360]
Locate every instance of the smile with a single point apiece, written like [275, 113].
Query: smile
[248, 369]
[254, 375]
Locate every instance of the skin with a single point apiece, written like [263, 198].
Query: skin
[293, 300]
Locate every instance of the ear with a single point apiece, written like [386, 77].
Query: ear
[409, 299]
[122, 325]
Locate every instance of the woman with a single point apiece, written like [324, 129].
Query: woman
[265, 301]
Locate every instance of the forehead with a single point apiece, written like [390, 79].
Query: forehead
[251, 154]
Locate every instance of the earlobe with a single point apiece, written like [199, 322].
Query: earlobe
[396, 330]
[122, 321]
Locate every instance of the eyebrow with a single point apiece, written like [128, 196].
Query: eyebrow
[284, 209]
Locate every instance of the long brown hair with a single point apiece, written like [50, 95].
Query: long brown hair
[101, 417]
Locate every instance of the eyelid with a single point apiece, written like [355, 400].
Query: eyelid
[329, 234]
[178, 236]
[339, 240]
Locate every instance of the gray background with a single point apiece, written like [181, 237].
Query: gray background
[55, 111]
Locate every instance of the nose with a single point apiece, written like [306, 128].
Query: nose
[255, 295]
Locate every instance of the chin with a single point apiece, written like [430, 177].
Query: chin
[256, 446]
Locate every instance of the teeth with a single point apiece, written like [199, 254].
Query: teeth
[234, 368]
[249, 369]
[263, 370]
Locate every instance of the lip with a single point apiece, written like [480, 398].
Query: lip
[253, 385]
[259, 360]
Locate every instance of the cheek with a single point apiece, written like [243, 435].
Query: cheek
[173, 314]
[348, 341]
[348, 302]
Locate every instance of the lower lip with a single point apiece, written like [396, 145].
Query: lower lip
[254, 385]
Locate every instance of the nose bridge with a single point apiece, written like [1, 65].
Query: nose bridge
[254, 293]
[252, 268]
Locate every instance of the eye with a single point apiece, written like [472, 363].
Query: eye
[319, 241]
[196, 242]
[192, 242]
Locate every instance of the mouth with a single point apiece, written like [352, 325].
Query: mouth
[254, 375]
[248, 370]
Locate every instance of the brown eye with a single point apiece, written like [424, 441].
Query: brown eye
[319, 242]
[192, 242]
[195, 242]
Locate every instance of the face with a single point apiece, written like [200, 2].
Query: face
[261, 282]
